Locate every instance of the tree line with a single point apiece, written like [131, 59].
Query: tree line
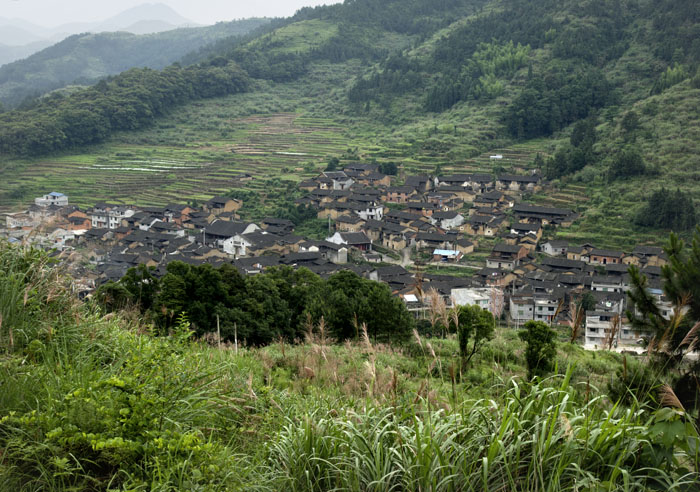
[128, 101]
[260, 309]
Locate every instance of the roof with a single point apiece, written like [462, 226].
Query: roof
[533, 209]
[445, 215]
[563, 263]
[56, 194]
[355, 237]
[558, 243]
[524, 226]
[226, 228]
[219, 200]
[607, 252]
[507, 248]
[647, 251]
[349, 219]
[519, 178]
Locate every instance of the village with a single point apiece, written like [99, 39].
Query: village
[400, 235]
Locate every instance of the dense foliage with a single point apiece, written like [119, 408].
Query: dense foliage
[578, 154]
[541, 348]
[98, 403]
[127, 101]
[475, 326]
[666, 209]
[260, 309]
[673, 335]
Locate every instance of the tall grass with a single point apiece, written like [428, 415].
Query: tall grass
[96, 403]
[539, 438]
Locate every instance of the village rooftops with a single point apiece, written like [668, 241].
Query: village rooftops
[507, 248]
[335, 175]
[349, 219]
[352, 238]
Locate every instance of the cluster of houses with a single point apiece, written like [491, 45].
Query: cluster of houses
[446, 213]
[523, 277]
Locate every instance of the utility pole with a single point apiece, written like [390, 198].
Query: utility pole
[235, 337]
[218, 331]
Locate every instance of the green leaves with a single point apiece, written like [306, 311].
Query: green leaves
[541, 348]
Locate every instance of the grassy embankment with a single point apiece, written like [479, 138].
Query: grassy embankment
[98, 403]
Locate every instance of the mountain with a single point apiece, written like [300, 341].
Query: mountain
[8, 54]
[85, 58]
[602, 96]
[16, 36]
[20, 39]
[159, 13]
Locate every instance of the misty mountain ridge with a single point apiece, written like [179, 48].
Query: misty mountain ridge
[147, 18]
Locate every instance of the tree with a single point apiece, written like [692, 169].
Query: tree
[668, 210]
[113, 296]
[388, 168]
[141, 284]
[475, 326]
[347, 300]
[540, 350]
[626, 163]
[671, 337]
[333, 164]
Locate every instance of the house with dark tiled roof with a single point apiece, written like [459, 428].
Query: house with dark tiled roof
[420, 183]
[220, 204]
[484, 225]
[357, 240]
[603, 256]
[398, 194]
[514, 182]
[543, 215]
[448, 220]
[348, 223]
[506, 256]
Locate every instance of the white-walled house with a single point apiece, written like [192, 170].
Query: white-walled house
[53, 198]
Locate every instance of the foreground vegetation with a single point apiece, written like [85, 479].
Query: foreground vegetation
[93, 402]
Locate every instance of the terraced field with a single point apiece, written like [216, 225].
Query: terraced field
[286, 146]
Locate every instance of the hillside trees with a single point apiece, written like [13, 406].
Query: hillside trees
[579, 153]
[627, 163]
[127, 101]
[555, 99]
[347, 300]
[668, 209]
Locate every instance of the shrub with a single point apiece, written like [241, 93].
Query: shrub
[541, 348]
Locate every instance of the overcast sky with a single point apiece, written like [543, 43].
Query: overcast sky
[50, 13]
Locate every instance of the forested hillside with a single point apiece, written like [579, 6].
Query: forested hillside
[606, 91]
[85, 58]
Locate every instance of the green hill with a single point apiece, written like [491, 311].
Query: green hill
[85, 58]
[431, 86]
